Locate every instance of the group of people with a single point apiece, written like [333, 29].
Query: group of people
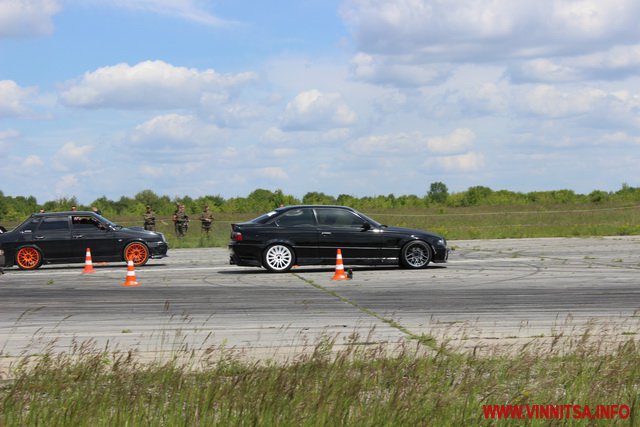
[180, 220]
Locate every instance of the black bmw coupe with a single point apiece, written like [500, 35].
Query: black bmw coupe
[311, 235]
[63, 237]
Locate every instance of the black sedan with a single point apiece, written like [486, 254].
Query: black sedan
[63, 237]
[311, 235]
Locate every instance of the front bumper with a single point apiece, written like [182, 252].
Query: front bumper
[158, 249]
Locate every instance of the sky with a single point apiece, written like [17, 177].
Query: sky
[361, 97]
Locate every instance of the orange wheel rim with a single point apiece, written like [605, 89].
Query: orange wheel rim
[137, 252]
[28, 257]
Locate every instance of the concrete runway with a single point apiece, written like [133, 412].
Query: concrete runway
[491, 291]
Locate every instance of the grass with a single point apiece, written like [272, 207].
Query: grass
[463, 223]
[460, 223]
[359, 386]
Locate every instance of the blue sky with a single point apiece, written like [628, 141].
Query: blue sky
[361, 97]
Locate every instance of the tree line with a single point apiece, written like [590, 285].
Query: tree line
[261, 200]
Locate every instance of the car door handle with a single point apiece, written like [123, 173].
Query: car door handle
[38, 237]
[326, 233]
[78, 236]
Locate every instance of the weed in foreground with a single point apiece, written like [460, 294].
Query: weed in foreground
[356, 385]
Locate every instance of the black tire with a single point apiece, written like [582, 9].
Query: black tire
[28, 258]
[278, 258]
[415, 254]
[138, 252]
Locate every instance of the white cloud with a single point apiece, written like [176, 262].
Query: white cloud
[499, 28]
[71, 156]
[149, 84]
[27, 18]
[67, 185]
[171, 129]
[400, 70]
[191, 10]
[459, 163]
[5, 140]
[389, 145]
[456, 141]
[14, 99]
[314, 110]
[274, 173]
[545, 100]
[32, 161]
[611, 64]
[400, 144]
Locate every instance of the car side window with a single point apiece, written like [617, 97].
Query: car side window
[54, 224]
[339, 218]
[86, 223]
[296, 218]
[32, 225]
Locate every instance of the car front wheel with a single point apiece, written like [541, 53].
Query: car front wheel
[28, 258]
[278, 258]
[137, 252]
[416, 254]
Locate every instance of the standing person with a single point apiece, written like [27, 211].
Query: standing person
[74, 209]
[182, 221]
[150, 219]
[207, 219]
[174, 218]
[96, 210]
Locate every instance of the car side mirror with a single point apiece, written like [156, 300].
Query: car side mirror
[366, 226]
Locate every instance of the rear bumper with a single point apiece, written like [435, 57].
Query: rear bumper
[245, 255]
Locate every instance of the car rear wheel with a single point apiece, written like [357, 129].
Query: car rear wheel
[28, 258]
[415, 254]
[278, 258]
[137, 252]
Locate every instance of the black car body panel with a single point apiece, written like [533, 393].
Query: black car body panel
[63, 237]
[314, 233]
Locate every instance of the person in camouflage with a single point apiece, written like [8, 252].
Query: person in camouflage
[206, 219]
[150, 219]
[181, 220]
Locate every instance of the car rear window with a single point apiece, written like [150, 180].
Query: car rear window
[54, 224]
[296, 218]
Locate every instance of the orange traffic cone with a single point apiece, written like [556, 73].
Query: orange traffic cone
[88, 264]
[340, 274]
[131, 275]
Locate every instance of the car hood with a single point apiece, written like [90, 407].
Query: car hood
[138, 232]
[413, 231]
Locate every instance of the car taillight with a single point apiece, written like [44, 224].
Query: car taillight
[236, 236]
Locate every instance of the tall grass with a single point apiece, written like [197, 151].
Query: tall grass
[483, 222]
[359, 386]
[476, 222]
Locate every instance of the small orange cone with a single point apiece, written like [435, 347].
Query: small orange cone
[88, 264]
[340, 274]
[131, 275]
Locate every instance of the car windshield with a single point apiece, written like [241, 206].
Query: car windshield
[109, 223]
[373, 222]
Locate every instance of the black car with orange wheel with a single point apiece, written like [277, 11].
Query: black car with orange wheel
[64, 237]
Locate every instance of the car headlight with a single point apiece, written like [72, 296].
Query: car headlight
[442, 242]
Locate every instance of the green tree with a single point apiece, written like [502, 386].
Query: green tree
[317, 198]
[438, 192]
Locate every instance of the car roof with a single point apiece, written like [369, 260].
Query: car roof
[315, 206]
[65, 213]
